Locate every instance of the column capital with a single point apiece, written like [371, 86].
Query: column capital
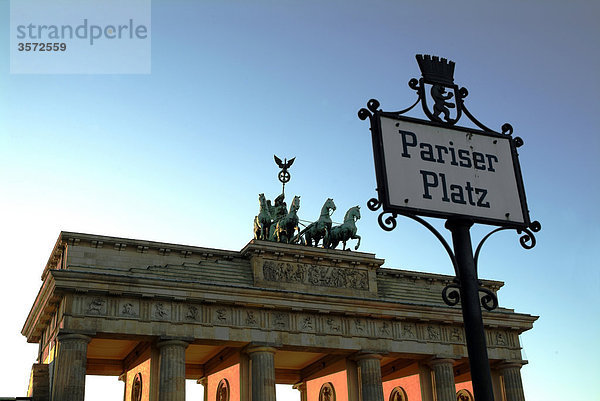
[359, 356]
[73, 336]
[440, 361]
[169, 342]
[253, 348]
[509, 364]
[202, 380]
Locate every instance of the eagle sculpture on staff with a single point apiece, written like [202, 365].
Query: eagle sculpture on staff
[284, 175]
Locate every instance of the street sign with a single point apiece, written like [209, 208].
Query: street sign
[464, 175]
[428, 169]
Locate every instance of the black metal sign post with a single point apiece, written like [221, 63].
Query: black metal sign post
[473, 321]
[466, 176]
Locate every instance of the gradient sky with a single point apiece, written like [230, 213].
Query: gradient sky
[180, 155]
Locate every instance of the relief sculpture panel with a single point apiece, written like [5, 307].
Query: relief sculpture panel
[323, 276]
[96, 306]
[129, 308]
[161, 311]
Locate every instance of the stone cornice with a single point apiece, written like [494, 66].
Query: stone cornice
[56, 256]
[133, 244]
[67, 239]
[274, 250]
[41, 311]
[494, 285]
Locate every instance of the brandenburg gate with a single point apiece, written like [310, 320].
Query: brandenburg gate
[335, 324]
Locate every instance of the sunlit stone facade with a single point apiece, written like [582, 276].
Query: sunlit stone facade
[239, 322]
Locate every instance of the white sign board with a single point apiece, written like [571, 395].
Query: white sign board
[444, 172]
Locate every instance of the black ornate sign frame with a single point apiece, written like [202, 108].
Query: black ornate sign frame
[437, 75]
[382, 178]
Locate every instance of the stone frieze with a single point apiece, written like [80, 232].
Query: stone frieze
[315, 275]
[240, 317]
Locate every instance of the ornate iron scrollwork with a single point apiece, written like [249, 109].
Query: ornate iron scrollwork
[372, 106]
[451, 294]
[527, 239]
[438, 73]
[489, 301]
[387, 223]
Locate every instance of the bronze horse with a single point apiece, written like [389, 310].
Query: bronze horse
[346, 231]
[321, 228]
[262, 222]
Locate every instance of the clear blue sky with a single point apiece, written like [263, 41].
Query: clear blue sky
[179, 155]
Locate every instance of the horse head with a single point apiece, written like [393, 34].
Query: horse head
[352, 214]
[262, 200]
[295, 204]
[327, 206]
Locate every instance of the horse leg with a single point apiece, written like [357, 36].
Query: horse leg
[358, 244]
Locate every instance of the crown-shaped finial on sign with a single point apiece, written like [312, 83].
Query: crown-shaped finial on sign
[435, 69]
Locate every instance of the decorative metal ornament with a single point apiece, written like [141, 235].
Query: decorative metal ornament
[136, 388]
[464, 395]
[437, 78]
[223, 391]
[398, 394]
[284, 175]
[327, 392]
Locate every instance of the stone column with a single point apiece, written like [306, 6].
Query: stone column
[263, 372]
[443, 378]
[369, 374]
[513, 386]
[171, 386]
[302, 388]
[69, 377]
